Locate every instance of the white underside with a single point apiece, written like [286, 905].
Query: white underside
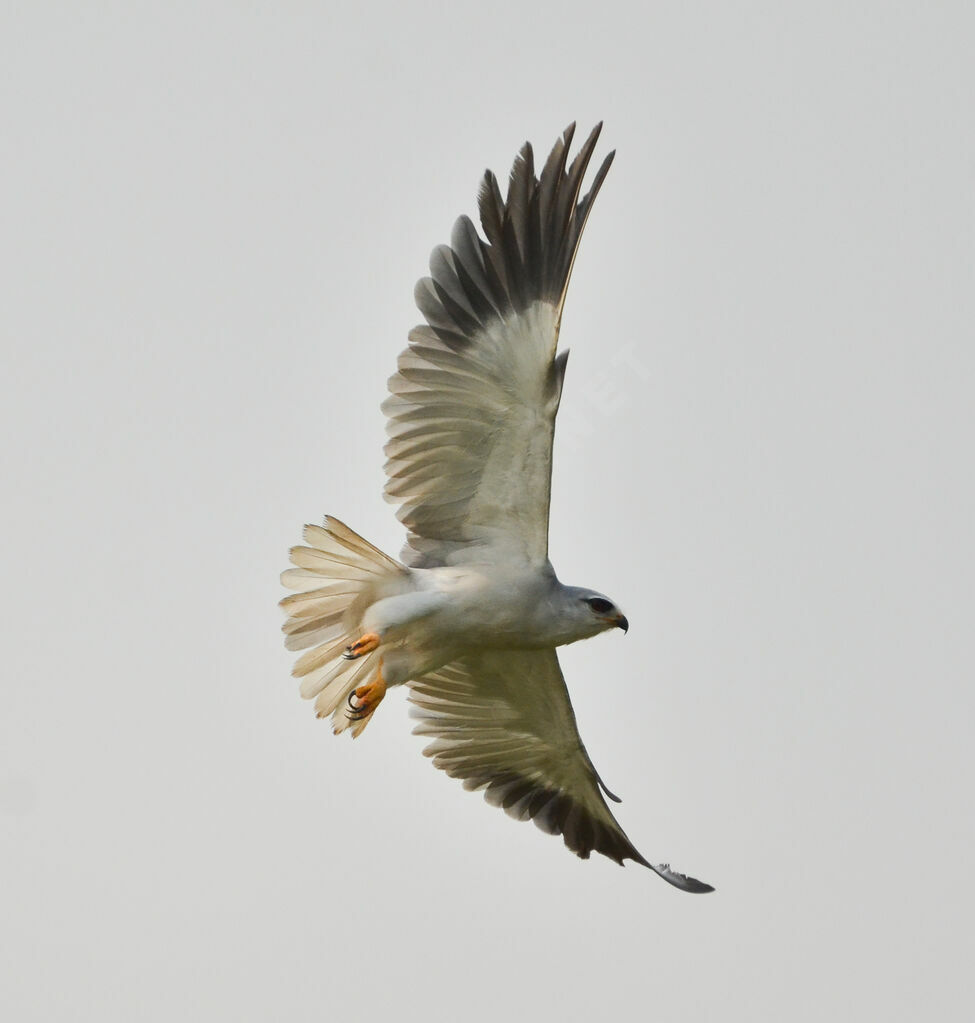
[453, 610]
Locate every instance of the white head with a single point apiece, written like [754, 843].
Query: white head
[586, 613]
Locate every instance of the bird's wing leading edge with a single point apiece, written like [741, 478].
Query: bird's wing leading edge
[502, 722]
[472, 406]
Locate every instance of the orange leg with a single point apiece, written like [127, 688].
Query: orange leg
[365, 644]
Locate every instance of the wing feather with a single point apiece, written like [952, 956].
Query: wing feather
[483, 368]
[501, 721]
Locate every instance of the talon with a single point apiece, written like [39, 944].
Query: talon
[368, 698]
[365, 644]
[356, 711]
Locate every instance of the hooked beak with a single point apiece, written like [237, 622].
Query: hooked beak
[622, 623]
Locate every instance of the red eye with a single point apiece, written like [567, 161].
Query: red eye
[599, 605]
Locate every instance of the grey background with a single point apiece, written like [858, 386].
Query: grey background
[212, 219]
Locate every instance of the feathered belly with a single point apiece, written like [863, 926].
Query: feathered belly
[481, 609]
[452, 611]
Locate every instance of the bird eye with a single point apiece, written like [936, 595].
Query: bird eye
[599, 605]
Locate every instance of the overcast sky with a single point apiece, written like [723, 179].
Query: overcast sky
[211, 222]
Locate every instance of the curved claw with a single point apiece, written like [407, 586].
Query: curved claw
[365, 644]
[363, 701]
[356, 711]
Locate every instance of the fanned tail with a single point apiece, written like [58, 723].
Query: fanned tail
[336, 577]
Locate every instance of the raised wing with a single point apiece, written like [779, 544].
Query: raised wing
[502, 721]
[472, 406]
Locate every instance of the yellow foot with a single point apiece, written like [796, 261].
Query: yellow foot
[365, 644]
[364, 700]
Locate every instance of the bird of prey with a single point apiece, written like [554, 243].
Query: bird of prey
[470, 618]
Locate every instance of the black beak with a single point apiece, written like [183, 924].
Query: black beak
[623, 624]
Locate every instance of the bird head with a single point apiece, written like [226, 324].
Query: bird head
[592, 612]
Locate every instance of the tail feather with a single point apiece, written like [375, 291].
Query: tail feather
[305, 623]
[330, 565]
[312, 660]
[353, 542]
[320, 678]
[303, 581]
[319, 681]
[335, 579]
[317, 602]
[302, 633]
